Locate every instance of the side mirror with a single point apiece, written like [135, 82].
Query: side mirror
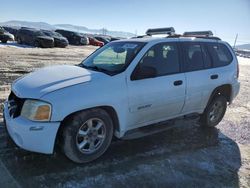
[142, 72]
[119, 50]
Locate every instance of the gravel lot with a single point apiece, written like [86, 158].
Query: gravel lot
[186, 156]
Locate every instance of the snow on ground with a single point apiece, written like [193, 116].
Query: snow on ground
[243, 60]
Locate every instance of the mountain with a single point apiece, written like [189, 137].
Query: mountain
[38, 25]
[243, 47]
[82, 29]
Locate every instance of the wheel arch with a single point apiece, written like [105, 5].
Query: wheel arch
[109, 109]
[222, 90]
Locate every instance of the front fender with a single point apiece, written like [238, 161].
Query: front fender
[89, 95]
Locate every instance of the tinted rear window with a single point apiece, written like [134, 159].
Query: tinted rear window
[206, 57]
[193, 56]
[220, 54]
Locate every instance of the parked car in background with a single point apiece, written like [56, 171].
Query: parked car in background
[102, 39]
[74, 38]
[94, 42]
[34, 37]
[115, 38]
[59, 40]
[5, 36]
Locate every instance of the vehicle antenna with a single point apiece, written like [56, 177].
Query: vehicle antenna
[235, 40]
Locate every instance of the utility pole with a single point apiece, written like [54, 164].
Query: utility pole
[235, 40]
[104, 31]
[136, 33]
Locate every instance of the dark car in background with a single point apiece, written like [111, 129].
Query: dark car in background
[5, 36]
[59, 40]
[115, 38]
[74, 38]
[34, 37]
[102, 39]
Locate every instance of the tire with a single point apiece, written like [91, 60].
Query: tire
[214, 112]
[77, 43]
[19, 40]
[4, 41]
[37, 44]
[82, 142]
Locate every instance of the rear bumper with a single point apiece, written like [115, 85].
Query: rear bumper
[235, 90]
[33, 136]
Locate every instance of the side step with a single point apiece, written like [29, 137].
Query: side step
[158, 127]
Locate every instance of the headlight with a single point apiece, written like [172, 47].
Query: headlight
[36, 110]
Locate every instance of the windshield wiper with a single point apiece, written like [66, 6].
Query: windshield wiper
[96, 68]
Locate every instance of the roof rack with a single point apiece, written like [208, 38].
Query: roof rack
[198, 33]
[160, 31]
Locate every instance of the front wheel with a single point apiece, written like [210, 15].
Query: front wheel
[4, 41]
[214, 112]
[19, 40]
[87, 135]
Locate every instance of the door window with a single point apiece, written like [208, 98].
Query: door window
[206, 57]
[162, 59]
[193, 56]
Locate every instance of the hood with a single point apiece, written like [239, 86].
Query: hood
[60, 39]
[46, 80]
[45, 38]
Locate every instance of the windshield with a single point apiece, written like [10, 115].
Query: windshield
[38, 33]
[2, 30]
[52, 34]
[113, 57]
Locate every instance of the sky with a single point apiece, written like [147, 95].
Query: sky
[225, 18]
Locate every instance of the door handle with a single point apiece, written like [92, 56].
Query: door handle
[178, 82]
[213, 77]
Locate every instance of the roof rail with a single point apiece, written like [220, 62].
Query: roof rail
[198, 33]
[141, 36]
[160, 31]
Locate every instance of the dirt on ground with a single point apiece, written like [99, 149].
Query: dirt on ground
[185, 156]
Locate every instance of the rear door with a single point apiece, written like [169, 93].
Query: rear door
[196, 63]
[159, 97]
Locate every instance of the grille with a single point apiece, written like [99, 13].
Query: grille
[15, 105]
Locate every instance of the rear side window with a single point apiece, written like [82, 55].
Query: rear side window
[220, 54]
[193, 56]
[206, 57]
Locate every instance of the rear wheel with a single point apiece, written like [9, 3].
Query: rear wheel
[36, 44]
[87, 135]
[214, 112]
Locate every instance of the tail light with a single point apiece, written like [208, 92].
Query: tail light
[238, 70]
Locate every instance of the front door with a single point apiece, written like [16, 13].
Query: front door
[156, 88]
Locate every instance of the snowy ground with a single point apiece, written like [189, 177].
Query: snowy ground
[186, 156]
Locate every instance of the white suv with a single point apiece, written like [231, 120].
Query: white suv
[122, 86]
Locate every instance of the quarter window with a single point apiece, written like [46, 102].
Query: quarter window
[221, 56]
